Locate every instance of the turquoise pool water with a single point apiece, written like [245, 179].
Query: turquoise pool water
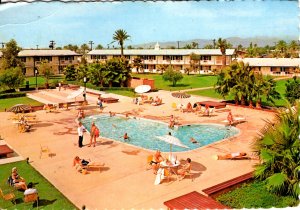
[143, 132]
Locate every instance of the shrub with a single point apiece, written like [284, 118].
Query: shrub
[255, 195]
[12, 95]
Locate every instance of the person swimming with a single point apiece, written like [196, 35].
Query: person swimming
[194, 141]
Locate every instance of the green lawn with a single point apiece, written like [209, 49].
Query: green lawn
[9, 102]
[41, 80]
[280, 87]
[122, 92]
[188, 81]
[255, 195]
[50, 197]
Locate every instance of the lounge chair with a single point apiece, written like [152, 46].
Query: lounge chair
[96, 166]
[234, 156]
[8, 196]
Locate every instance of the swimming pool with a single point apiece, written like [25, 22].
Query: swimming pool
[143, 132]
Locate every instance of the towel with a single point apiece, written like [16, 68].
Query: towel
[159, 176]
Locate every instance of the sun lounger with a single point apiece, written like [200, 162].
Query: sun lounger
[96, 166]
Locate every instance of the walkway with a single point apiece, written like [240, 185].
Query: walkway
[124, 182]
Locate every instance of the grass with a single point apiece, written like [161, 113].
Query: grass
[41, 80]
[255, 195]
[188, 81]
[122, 92]
[50, 197]
[280, 87]
[9, 102]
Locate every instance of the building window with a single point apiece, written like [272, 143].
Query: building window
[166, 57]
[23, 59]
[205, 57]
[148, 57]
[66, 58]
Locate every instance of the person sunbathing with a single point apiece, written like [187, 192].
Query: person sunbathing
[189, 108]
[157, 101]
[18, 181]
[184, 169]
[79, 163]
[234, 155]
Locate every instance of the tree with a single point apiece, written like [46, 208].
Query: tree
[121, 36]
[278, 146]
[71, 47]
[118, 71]
[209, 46]
[12, 78]
[70, 72]
[222, 45]
[97, 73]
[84, 48]
[292, 90]
[195, 45]
[162, 67]
[46, 70]
[99, 47]
[10, 55]
[194, 63]
[172, 76]
[281, 46]
[138, 64]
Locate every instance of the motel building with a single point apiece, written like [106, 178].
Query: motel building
[58, 59]
[274, 66]
[211, 59]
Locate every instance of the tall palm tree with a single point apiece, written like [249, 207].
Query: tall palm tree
[120, 36]
[222, 45]
[278, 146]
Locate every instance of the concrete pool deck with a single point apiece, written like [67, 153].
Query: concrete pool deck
[124, 181]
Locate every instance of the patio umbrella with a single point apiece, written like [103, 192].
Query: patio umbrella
[142, 88]
[181, 95]
[172, 141]
[19, 108]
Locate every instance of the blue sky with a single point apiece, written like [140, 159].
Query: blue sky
[77, 23]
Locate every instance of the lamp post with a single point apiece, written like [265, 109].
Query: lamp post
[84, 92]
[36, 71]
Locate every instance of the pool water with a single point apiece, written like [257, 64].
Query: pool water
[143, 132]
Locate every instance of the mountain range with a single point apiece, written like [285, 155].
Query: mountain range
[235, 41]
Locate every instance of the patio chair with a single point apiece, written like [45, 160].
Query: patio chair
[34, 197]
[44, 149]
[149, 159]
[8, 197]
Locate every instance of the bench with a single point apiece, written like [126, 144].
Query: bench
[109, 100]
[226, 186]
[194, 200]
[5, 150]
[94, 166]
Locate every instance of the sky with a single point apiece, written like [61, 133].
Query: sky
[32, 24]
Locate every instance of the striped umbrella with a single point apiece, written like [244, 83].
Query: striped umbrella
[181, 95]
[19, 108]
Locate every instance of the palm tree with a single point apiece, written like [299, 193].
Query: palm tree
[222, 45]
[120, 36]
[279, 148]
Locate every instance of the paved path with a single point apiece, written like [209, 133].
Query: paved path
[124, 182]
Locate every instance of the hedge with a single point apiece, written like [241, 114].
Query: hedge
[12, 95]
